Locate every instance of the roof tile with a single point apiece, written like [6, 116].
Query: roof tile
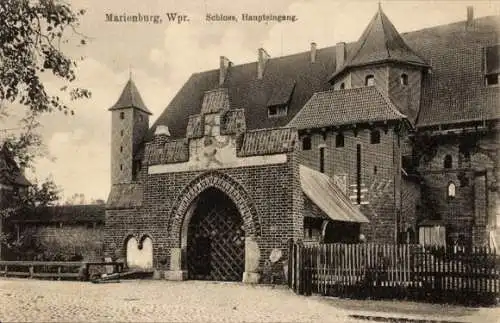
[331, 108]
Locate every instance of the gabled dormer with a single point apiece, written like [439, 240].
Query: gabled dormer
[382, 58]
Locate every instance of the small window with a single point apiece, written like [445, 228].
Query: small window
[121, 133]
[375, 137]
[322, 159]
[448, 162]
[342, 86]
[404, 79]
[374, 170]
[121, 149]
[369, 80]
[339, 140]
[492, 79]
[451, 190]
[277, 111]
[306, 143]
[121, 167]
[122, 115]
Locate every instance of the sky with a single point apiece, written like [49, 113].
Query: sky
[162, 56]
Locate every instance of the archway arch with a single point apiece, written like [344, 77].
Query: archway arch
[186, 202]
[185, 208]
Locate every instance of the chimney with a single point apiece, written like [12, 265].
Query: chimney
[161, 134]
[340, 55]
[313, 52]
[225, 64]
[261, 64]
[470, 16]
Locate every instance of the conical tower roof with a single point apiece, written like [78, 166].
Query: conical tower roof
[130, 98]
[380, 43]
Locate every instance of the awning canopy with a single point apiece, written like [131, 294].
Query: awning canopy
[328, 197]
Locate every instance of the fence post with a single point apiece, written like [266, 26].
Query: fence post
[308, 272]
[59, 273]
[32, 271]
[290, 262]
[300, 269]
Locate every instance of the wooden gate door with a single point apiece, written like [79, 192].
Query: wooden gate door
[216, 240]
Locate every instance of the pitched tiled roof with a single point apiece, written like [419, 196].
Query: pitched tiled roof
[268, 141]
[65, 214]
[442, 47]
[130, 97]
[330, 108]
[174, 151]
[251, 94]
[381, 42]
[125, 196]
[455, 90]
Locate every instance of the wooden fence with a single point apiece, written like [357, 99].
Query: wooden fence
[397, 271]
[58, 270]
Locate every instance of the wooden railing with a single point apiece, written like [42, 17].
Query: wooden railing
[400, 271]
[58, 269]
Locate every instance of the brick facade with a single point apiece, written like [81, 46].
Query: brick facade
[380, 173]
[470, 214]
[358, 133]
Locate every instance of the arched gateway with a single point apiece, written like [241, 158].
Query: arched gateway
[215, 225]
[215, 239]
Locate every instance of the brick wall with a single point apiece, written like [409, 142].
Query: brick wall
[472, 210]
[122, 145]
[68, 239]
[410, 203]
[273, 191]
[405, 97]
[357, 77]
[380, 166]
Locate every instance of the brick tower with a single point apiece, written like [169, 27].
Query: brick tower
[129, 124]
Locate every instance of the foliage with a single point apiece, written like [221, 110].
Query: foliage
[32, 33]
[76, 199]
[19, 202]
[35, 196]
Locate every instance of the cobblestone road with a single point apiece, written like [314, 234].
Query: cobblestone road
[158, 301]
[24, 300]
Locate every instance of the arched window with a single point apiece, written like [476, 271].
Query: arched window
[451, 190]
[404, 79]
[306, 143]
[369, 80]
[339, 140]
[375, 137]
[342, 86]
[122, 115]
[448, 162]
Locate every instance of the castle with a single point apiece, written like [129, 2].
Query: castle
[390, 139]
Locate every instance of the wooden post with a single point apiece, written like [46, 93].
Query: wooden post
[290, 262]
